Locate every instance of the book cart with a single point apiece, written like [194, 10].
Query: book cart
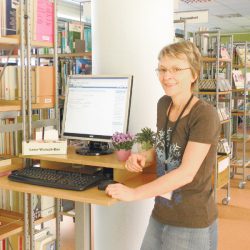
[241, 111]
[13, 222]
[215, 86]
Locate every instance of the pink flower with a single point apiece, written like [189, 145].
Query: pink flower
[122, 141]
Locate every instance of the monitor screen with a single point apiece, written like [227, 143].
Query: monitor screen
[96, 107]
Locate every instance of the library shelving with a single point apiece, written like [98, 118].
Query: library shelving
[241, 112]
[215, 86]
[24, 108]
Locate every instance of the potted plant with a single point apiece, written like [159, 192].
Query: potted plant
[145, 140]
[123, 143]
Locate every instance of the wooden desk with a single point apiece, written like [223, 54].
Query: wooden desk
[106, 161]
[92, 196]
[83, 199]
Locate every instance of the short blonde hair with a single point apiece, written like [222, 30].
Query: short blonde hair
[186, 48]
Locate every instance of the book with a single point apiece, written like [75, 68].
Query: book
[223, 147]
[238, 79]
[83, 66]
[223, 163]
[43, 243]
[43, 21]
[51, 245]
[45, 84]
[220, 115]
[248, 80]
[11, 17]
[4, 161]
[224, 53]
[42, 233]
[240, 51]
[75, 33]
[47, 205]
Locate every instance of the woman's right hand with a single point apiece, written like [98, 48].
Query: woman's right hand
[135, 162]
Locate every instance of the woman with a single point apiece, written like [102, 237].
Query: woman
[184, 215]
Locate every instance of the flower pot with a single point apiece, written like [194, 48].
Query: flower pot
[149, 154]
[122, 154]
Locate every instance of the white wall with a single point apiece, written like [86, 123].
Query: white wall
[127, 36]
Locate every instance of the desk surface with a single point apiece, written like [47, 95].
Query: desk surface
[108, 161]
[93, 195]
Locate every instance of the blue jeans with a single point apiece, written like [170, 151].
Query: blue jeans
[165, 237]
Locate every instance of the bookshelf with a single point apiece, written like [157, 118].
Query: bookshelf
[10, 42]
[241, 111]
[67, 55]
[25, 43]
[215, 86]
[13, 107]
[11, 224]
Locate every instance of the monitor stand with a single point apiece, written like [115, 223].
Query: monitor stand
[95, 148]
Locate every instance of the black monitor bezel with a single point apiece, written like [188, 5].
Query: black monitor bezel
[93, 137]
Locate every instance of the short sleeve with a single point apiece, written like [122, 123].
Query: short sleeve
[204, 125]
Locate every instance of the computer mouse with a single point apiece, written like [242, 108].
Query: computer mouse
[104, 183]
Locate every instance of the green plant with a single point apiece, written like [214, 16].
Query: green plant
[146, 138]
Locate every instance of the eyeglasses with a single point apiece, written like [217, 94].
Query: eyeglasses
[173, 71]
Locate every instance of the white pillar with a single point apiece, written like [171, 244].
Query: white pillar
[127, 37]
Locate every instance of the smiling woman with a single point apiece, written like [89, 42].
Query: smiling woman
[186, 142]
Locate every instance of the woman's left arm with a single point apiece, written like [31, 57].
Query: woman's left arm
[193, 157]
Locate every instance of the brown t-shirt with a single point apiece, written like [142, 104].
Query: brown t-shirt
[192, 205]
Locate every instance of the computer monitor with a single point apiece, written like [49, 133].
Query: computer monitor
[95, 108]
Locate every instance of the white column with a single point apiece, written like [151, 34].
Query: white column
[127, 37]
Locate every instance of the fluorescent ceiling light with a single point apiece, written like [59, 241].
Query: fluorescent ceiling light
[232, 15]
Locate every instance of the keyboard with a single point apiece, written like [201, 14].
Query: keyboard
[56, 178]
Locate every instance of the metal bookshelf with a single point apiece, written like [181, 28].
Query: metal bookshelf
[241, 113]
[217, 69]
[13, 108]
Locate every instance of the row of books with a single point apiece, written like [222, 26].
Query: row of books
[208, 47]
[71, 37]
[9, 11]
[71, 67]
[44, 240]
[13, 242]
[7, 140]
[223, 114]
[224, 84]
[223, 147]
[242, 54]
[41, 16]
[211, 84]
[43, 84]
[239, 79]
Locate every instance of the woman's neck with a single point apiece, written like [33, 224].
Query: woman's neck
[180, 101]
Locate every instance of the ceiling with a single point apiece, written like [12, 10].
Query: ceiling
[230, 16]
[218, 11]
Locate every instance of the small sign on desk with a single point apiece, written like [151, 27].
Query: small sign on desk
[44, 147]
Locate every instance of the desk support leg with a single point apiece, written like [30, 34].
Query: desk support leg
[31, 221]
[58, 219]
[82, 226]
[26, 222]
